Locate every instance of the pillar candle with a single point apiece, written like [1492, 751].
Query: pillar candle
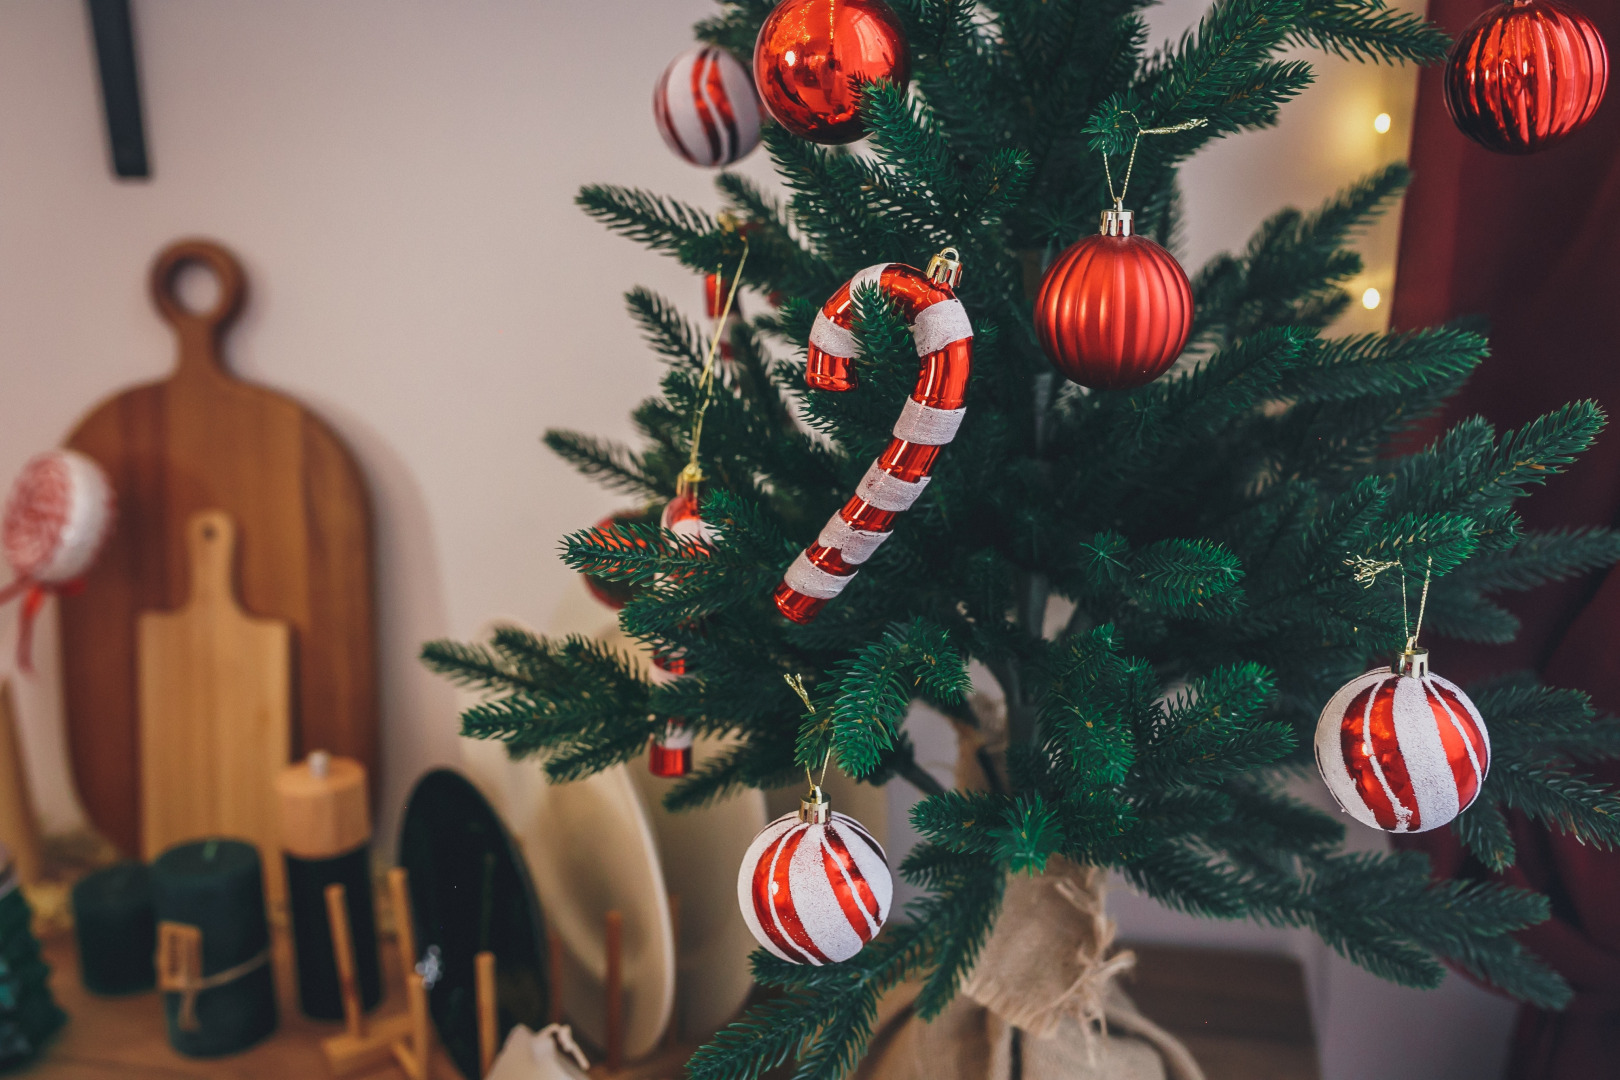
[115, 928]
[326, 831]
[216, 886]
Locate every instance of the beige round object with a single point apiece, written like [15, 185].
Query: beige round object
[590, 850]
[700, 850]
[322, 805]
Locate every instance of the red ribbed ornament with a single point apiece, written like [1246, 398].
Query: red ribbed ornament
[1526, 74]
[1114, 310]
[811, 57]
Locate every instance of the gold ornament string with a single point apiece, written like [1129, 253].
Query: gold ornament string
[1130, 165]
[692, 474]
[1366, 571]
[797, 683]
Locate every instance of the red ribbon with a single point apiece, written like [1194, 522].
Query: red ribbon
[33, 594]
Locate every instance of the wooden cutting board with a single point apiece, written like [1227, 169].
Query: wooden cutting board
[214, 704]
[202, 440]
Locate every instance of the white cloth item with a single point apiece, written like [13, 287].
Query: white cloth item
[549, 1054]
[807, 579]
[926, 425]
[888, 492]
[854, 545]
[937, 325]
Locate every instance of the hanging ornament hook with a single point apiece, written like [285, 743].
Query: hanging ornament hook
[813, 807]
[1130, 166]
[692, 475]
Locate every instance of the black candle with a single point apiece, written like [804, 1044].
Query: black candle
[115, 928]
[226, 1002]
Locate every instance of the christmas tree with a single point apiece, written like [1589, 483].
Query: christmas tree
[1167, 583]
[28, 1014]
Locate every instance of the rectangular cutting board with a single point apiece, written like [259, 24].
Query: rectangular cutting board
[212, 687]
[202, 440]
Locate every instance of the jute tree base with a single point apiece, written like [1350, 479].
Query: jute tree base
[1041, 1002]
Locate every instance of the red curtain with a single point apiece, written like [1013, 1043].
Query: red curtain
[1532, 244]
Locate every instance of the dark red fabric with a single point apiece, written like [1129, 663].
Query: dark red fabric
[1532, 244]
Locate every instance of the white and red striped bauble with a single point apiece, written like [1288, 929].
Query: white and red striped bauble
[814, 886]
[57, 519]
[943, 335]
[1401, 749]
[706, 107]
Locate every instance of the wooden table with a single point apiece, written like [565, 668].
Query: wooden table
[1243, 1015]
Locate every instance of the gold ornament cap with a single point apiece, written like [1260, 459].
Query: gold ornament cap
[814, 809]
[1116, 222]
[1413, 662]
[946, 268]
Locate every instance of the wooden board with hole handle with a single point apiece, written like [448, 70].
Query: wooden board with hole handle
[203, 440]
[212, 686]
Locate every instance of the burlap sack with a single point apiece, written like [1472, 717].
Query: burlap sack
[1043, 989]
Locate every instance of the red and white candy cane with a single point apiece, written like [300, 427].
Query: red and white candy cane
[57, 519]
[929, 421]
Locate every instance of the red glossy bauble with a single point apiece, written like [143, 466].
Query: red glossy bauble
[615, 594]
[811, 57]
[1114, 310]
[1525, 75]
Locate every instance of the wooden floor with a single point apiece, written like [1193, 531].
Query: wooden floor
[1244, 1016]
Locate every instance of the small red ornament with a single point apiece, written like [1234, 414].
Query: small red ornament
[943, 335]
[615, 594]
[57, 519]
[814, 887]
[715, 290]
[1401, 749]
[1526, 74]
[812, 56]
[670, 754]
[1115, 309]
[705, 107]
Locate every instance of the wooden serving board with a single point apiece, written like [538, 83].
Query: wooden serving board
[202, 440]
[214, 710]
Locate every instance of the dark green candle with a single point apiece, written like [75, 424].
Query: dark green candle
[217, 886]
[115, 928]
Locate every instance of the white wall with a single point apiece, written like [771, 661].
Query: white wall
[398, 179]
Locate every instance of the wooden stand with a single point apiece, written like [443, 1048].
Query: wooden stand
[19, 827]
[404, 1037]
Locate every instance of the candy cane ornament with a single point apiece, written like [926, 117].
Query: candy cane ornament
[928, 422]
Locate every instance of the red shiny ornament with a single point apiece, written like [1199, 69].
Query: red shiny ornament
[1402, 749]
[615, 594]
[670, 755]
[1526, 74]
[812, 56]
[1115, 309]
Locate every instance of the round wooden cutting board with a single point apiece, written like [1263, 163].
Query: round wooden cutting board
[202, 440]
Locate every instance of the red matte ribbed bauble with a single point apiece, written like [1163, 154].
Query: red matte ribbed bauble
[812, 56]
[1526, 74]
[1114, 310]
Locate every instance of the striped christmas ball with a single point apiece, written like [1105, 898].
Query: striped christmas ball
[1402, 749]
[706, 107]
[814, 886]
